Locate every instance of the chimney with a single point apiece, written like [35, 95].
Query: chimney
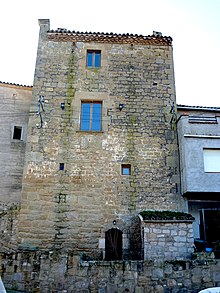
[157, 34]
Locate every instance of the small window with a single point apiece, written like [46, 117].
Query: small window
[202, 119]
[126, 169]
[17, 133]
[93, 59]
[61, 166]
[91, 116]
[211, 160]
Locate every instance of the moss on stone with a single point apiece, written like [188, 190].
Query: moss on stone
[165, 215]
[71, 89]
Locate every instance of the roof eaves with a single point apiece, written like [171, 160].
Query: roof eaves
[201, 108]
[15, 84]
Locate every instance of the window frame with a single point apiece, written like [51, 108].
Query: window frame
[94, 53]
[126, 167]
[20, 127]
[210, 160]
[61, 166]
[91, 118]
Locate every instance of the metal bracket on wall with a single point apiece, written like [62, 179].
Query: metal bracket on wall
[40, 108]
[173, 116]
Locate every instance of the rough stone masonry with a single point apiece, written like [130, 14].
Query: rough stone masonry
[82, 183]
[73, 185]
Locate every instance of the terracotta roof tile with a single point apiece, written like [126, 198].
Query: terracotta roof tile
[15, 84]
[75, 36]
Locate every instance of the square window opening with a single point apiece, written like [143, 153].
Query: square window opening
[93, 59]
[91, 114]
[17, 133]
[61, 166]
[211, 159]
[126, 169]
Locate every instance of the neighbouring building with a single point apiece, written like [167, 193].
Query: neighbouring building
[14, 115]
[199, 144]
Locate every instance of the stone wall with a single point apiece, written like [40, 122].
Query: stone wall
[74, 208]
[8, 227]
[51, 271]
[64, 213]
[168, 240]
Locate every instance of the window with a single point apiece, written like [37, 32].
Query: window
[17, 133]
[93, 59]
[202, 119]
[91, 116]
[211, 160]
[61, 166]
[126, 169]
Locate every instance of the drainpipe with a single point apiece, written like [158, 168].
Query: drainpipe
[204, 228]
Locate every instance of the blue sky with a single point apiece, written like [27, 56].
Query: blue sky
[194, 26]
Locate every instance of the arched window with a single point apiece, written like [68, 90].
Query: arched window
[113, 244]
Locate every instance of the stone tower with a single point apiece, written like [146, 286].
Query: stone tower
[102, 146]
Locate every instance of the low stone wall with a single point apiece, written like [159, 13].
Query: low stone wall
[47, 272]
[8, 226]
[167, 239]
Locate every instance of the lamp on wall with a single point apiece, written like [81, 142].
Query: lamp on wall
[121, 106]
[62, 105]
[114, 222]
